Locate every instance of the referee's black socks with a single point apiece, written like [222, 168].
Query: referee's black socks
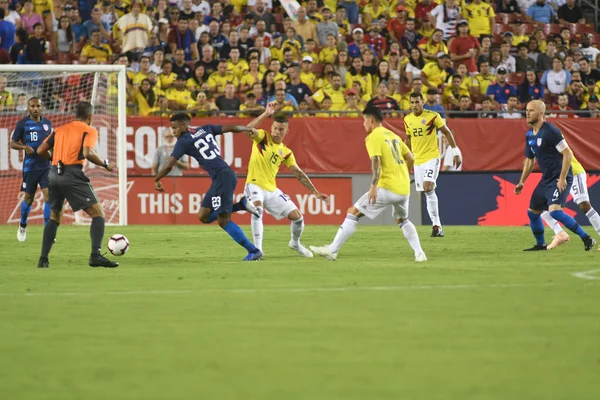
[96, 234]
[49, 235]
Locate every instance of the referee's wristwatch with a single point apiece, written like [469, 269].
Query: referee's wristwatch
[106, 163]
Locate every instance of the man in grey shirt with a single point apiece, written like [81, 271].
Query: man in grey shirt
[163, 153]
[326, 27]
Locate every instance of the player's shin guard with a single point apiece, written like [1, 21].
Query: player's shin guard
[97, 234]
[537, 227]
[237, 234]
[257, 229]
[48, 237]
[46, 212]
[552, 223]
[594, 218]
[410, 233]
[432, 208]
[25, 209]
[346, 230]
[569, 222]
[297, 227]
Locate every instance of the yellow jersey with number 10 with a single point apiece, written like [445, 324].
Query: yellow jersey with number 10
[422, 130]
[391, 149]
[265, 160]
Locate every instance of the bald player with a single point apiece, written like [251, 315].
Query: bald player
[546, 143]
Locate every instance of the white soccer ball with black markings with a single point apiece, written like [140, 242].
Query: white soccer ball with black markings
[118, 245]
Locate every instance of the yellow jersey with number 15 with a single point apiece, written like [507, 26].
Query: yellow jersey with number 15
[265, 160]
[422, 130]
[576, 166]
[391, 149]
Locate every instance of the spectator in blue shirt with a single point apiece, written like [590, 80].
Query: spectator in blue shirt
[501, 90]
[281, 85]
[7, 32]
[354, 48]
[541, 12]
[432, 102]
[182, 38]
[531, 88]
[96, 23]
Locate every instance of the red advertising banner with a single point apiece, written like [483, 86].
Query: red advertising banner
[180, 203]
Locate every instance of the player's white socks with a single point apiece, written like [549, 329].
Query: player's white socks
[297, 227]
[346, 230]
[552, 223]
[257, 229]
[410, 233]
[432, 208]
[594, 219]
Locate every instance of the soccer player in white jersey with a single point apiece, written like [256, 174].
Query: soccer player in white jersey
[268, 153]
[390, 186]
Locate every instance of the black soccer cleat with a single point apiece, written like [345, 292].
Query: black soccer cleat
[537, 247]
[98, 260]
[437, 231]
[588, 243]
[43, 263]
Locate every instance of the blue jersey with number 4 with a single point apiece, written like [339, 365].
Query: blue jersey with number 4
[200, 143]
[32, 134]
[543, 147]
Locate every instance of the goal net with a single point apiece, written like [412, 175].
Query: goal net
[60, 88]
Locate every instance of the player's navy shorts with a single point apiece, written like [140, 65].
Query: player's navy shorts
[219, 196]
[72, 186]
[546, 194]
[32, 179]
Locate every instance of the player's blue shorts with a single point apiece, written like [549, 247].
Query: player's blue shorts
[546, 194]
[219, 196]
[32, 179]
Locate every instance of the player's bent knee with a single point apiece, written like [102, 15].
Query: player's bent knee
[223, 219]
[294, 215]
[28, 199]
[45, 193]
[354, 211]
[428, 186]
[584, 206]
[554, 207]
[95, 211]
[531, 210]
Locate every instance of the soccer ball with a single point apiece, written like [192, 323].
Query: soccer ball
[118, 245]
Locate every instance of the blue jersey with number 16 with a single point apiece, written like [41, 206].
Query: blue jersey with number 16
[200, 143]
[32, 134]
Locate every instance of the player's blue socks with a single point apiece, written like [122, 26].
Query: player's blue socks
[237, 234]
[25, 209]
[569, 222]
[46, 212]
[239, 206]
[212, 217]
[537, 227]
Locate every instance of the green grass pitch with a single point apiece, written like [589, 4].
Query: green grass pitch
[184, 318]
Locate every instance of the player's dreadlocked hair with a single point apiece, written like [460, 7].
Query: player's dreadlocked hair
[281, 118]
[182, 116]
[374, 112]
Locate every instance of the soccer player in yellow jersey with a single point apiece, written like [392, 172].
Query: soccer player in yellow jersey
[421, 127]
[268, 153]
[390, 186]
[581, 197]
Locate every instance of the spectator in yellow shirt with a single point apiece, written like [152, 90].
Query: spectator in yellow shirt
[144, 98]
[167, 76]
[252, 76]
[453, 92]
[235, 65]
[218, 80]
[310, 46]
[203, 106]
[302, 109]
[353, 106]
[434, 73]
[101, 52]
[290, 40]
[328, 54]
[519, 35]
[374, 10]
[198, 81]
[335, 91]
[480, 16]
[251, 108]
[357, 73]
[276, 48]
[326, 107]
[485, 78]
[307, 76]
[179, 97]
[275, 66]
[431, 46]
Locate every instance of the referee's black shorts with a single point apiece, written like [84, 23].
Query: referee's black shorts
[72, 186]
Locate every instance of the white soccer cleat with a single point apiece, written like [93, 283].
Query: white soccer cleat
[324, 252]
[22, 234]
[421, 257]
[251, 208]
[303, 251]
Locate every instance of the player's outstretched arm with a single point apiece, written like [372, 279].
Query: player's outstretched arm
[528, 165]
[171, 162]
[92, 157]
[235, 128]
[270, 110]
[450, 136]
[305, 180]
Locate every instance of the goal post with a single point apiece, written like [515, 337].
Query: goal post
[60, 88]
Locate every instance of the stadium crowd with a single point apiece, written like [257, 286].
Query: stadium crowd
[230, 57]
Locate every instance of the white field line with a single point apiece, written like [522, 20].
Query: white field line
[286, 290]
[591, 275]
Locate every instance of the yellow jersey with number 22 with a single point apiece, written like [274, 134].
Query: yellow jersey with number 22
[422, 130]
[265, 160]
[391, 149]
